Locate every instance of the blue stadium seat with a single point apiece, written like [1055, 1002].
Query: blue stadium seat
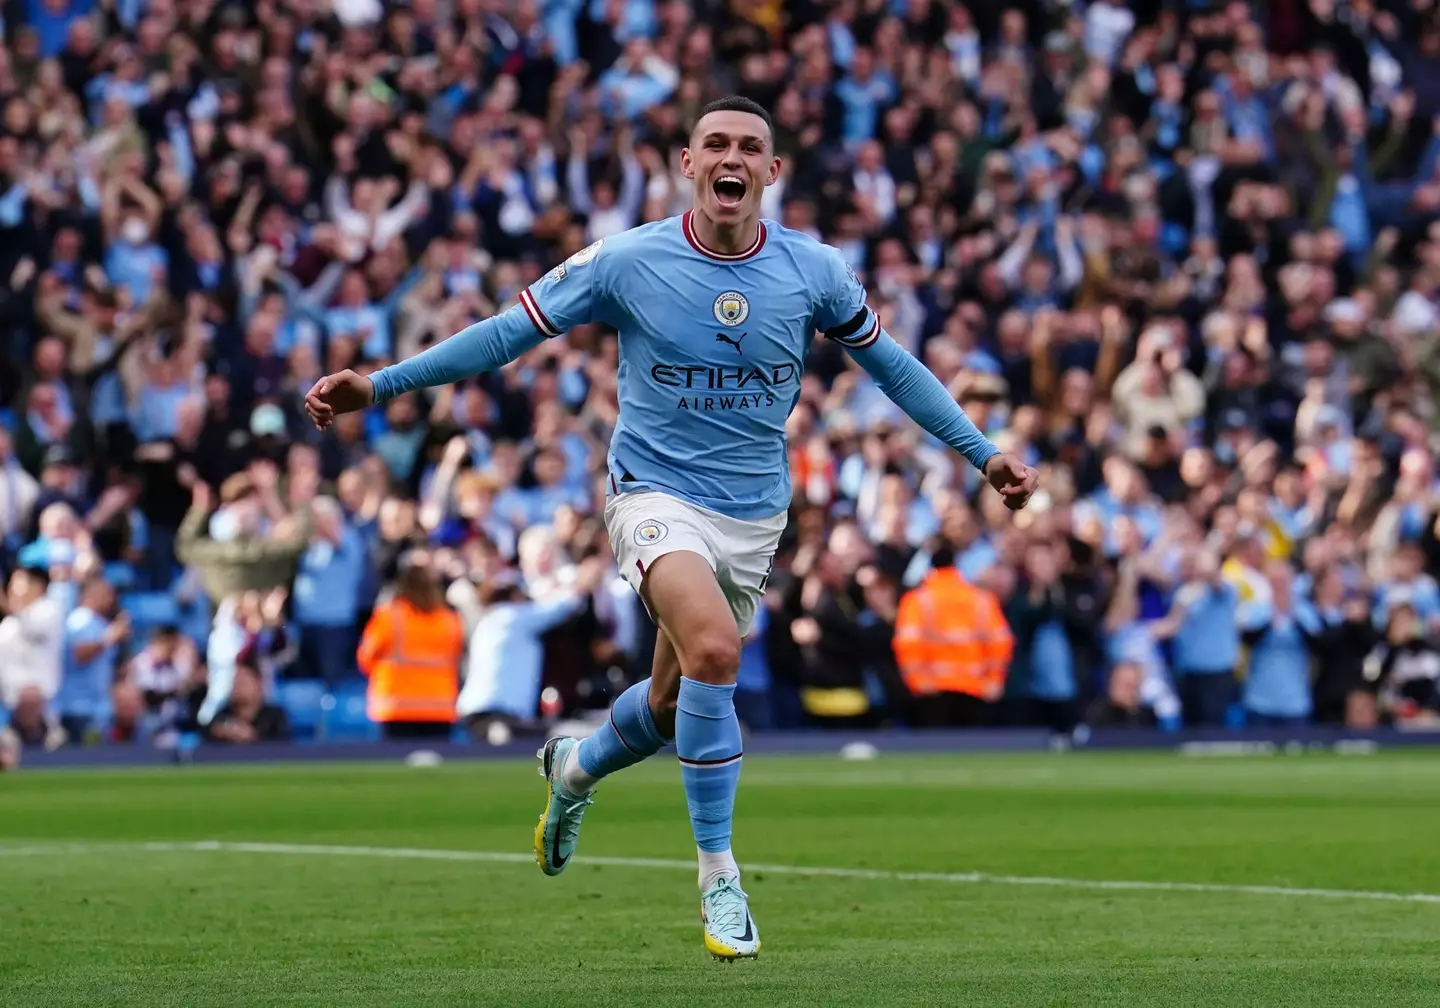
[196, 619]
[150, 609]
[344, 718]
[304, 703]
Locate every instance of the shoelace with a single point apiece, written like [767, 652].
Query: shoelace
[725, 905]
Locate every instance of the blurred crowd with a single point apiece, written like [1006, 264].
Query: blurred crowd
[1182, 256]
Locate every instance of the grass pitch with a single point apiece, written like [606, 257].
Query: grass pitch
[90, 915]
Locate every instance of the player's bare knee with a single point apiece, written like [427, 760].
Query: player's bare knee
[714, 657]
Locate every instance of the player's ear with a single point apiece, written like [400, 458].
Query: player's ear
[687, 167]
[774, 172]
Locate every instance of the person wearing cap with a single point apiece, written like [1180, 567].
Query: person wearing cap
[60, 480]
[269, 429]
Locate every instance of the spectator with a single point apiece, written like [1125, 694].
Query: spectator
[411, 654]
[953, 647]
[1404, 669]
[1276, 630]
[1203, 627]
[31, 655]
[18, 493]
[1045, 673]
[826, 630]
[327, 594]
[753, 704]
[167, 674]
[502, 678]
[1121, 706]
[246, 717]
[238, 554]
[93, 636]
[1345, 638]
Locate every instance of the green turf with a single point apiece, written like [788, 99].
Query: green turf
[118, 925]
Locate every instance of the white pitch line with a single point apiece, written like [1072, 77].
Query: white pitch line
[876, 874]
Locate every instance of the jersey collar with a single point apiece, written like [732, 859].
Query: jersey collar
[689, 229]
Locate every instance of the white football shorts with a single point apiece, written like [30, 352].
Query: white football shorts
[644, 525]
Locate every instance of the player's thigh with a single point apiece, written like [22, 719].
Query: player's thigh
[665, 549]
[683, 594]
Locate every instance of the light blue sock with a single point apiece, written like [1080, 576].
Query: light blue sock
[707, 738]
[627, 736]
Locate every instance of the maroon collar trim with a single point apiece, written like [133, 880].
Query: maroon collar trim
[753, 250]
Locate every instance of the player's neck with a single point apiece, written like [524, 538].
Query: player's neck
[726, 239]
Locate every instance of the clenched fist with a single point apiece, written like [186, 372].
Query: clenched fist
[343, 392]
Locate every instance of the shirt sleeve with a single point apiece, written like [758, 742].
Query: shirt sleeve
[554, 304]
[565, 297]
[484, 346]
[840, 310]
[915, 389]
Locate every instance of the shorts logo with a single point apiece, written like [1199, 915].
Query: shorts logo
[731, 308]
[586, 254]
[649, 532]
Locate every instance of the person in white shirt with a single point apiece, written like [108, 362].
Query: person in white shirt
[608, 211]
[31, 653]
[1108, 24]
[18, 492]
[502, 680]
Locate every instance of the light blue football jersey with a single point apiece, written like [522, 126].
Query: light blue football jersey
[712, 348]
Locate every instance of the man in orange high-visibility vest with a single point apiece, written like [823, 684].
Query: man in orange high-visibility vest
[411, 652]
[953, 647]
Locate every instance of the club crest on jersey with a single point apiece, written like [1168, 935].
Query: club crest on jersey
[649, 532]
[586, 254]
[731, 308]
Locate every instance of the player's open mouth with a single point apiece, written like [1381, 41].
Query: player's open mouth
[729, 190]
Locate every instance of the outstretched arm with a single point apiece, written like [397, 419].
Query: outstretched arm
[916, 390]
[843, 316]
[484, 346]
[557, 302]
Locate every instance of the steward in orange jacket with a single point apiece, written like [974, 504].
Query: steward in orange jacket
[953, 647]
[411, 651]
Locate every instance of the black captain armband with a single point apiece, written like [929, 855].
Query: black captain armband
[859, 332]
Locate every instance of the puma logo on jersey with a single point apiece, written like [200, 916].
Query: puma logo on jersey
[734, 341]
